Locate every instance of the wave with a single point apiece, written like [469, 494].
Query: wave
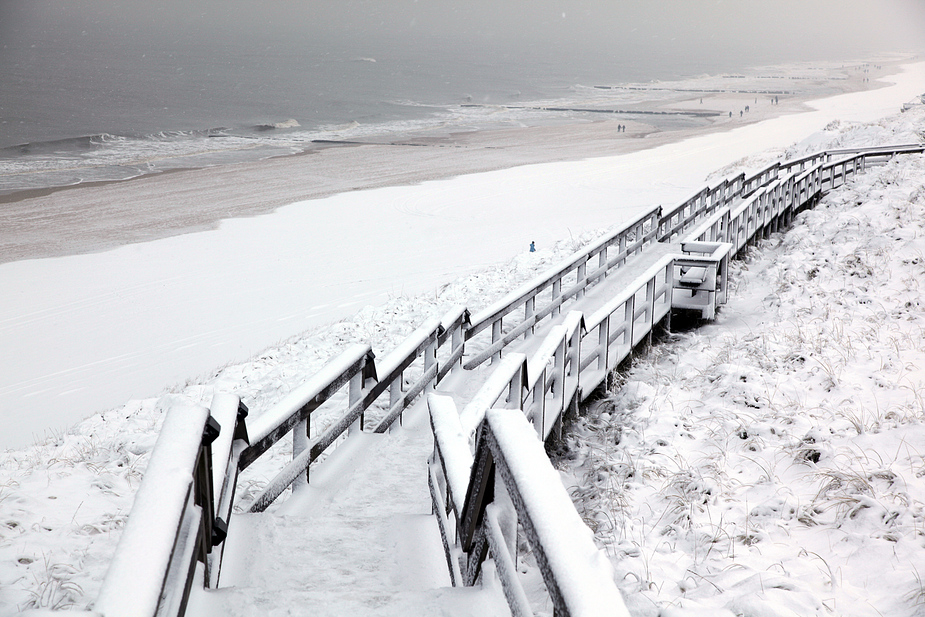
[90, 143]
[291, 123]
[57, 146]
[220, 131]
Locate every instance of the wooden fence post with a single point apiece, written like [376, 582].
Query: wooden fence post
[430, 359]
[529, 309]
[495, 337]
[354, 394]
[300, 436]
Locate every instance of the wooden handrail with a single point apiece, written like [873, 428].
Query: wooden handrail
[577, 574]
[150, 572]
[296, 407]
[548, 279]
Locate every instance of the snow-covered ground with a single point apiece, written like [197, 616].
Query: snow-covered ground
[773, 463]
[63, 501]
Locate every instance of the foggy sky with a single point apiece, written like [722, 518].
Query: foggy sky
[814, 29]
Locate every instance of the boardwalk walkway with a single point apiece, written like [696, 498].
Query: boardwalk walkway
[361, 538]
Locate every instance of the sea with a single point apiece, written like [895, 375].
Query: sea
[96, 90]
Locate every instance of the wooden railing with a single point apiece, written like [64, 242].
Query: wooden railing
[677, 220]
[173, 528]
[513, 483]
[357, 369]
[175, 531]
[602, 257]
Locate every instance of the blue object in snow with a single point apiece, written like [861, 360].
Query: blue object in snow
[532, 247]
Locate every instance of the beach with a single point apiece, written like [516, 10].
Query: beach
[95, 216]
[116, 291]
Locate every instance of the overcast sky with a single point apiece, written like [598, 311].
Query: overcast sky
[824, 25]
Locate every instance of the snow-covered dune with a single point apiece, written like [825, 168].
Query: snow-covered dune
[773, 462]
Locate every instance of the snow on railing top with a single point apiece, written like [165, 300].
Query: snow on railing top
[580, 576]
[407, 348]
[452, 445]
[544, 354]
[268, 428]
[138, 572]
[874, 151]
[497, 384]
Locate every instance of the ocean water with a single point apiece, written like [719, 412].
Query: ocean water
[98, 89]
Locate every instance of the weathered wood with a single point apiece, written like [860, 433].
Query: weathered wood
[478, 496]
[554, 547]
[315, 395]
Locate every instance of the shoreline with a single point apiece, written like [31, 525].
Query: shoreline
[102, 215]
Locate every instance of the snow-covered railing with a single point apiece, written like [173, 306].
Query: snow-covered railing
[367, 382]
[800, 183]
[293, 415]
[762, 178]
[627, 241]
[623, 322]
[527, 490]
[572, 360]
[178, 518]
[173, 526]
[453, 328]
[552, 375]
[878, 155]
[509, 481]
[682, 216]
[802, 163]
[228, 411]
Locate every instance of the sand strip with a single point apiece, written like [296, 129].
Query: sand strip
[94, 217]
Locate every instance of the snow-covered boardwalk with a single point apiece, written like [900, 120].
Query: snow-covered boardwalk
[359, 538]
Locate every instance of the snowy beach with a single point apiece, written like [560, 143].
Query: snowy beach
[57, 555]
[52, 207]
[92, 331]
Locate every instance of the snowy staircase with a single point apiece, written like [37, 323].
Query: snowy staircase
[359, 540]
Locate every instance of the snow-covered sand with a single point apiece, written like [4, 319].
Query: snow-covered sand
[63, 502]
[91, 331]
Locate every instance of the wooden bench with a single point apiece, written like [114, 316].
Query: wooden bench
[693, 276]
